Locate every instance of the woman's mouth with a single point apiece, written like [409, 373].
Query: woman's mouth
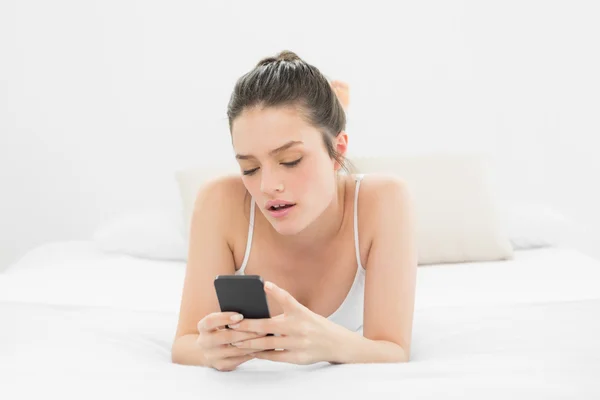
[280, 210]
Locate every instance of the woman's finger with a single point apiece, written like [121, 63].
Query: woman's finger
[272, 343]
[276, 325]
[218, 320]
[228, 336]
[229, 351]
[286, 356]
[282, 325]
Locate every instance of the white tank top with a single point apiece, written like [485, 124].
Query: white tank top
[350, 313]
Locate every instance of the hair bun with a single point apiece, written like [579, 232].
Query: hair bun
[285, 55]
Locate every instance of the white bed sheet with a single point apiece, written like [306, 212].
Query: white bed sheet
[80, 324]
[536, 351]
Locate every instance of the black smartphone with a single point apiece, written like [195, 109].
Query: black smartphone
[244, 294]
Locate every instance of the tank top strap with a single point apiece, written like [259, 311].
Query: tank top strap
[249, 241]
[358, 178]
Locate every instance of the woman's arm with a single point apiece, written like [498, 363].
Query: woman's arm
[391, 272]
[185, 351]
[209, 255]
[353, 348]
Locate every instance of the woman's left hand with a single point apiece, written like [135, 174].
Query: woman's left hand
[305, 337]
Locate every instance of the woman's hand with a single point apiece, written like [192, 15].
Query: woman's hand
[215, 341]
[304, 336]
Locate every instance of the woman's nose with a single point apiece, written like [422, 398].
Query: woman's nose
[270, 183]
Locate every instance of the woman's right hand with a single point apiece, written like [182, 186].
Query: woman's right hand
[215, 341]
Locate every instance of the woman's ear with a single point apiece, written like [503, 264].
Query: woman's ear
[341, 146]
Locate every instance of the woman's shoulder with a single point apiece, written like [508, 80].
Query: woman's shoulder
[227, 183]
[225, 196]
[376, 188]
[377, 193]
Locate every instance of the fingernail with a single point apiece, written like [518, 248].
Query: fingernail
[237, 317]
[234, 326]
[269, 285]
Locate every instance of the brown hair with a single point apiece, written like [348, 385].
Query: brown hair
[287, 80]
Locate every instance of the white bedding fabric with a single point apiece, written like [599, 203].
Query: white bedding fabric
[80, 324]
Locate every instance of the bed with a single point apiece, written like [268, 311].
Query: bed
[78, 322]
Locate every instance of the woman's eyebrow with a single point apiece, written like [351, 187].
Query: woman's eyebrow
[286, 146]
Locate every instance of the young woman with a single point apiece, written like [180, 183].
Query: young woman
[337, 250]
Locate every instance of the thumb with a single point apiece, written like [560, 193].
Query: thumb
[286, 300]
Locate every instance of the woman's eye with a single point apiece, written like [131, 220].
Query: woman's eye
[287, 164]
[292, 163]
[250, 171]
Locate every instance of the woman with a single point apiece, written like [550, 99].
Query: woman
[337, 252]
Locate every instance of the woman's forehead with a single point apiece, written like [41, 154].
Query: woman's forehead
[265, 129]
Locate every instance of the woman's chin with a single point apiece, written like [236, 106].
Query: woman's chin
[285, 228]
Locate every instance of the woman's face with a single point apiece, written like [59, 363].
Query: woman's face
[284, 161]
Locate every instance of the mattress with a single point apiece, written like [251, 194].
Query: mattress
[82, 324]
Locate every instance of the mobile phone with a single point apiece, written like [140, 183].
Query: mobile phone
[244, 294]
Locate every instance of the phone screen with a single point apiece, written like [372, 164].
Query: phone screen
[243, 294]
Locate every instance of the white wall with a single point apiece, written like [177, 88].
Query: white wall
[101, 101]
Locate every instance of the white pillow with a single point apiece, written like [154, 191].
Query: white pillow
[533, 226]
[151, 233]
[457, 218]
